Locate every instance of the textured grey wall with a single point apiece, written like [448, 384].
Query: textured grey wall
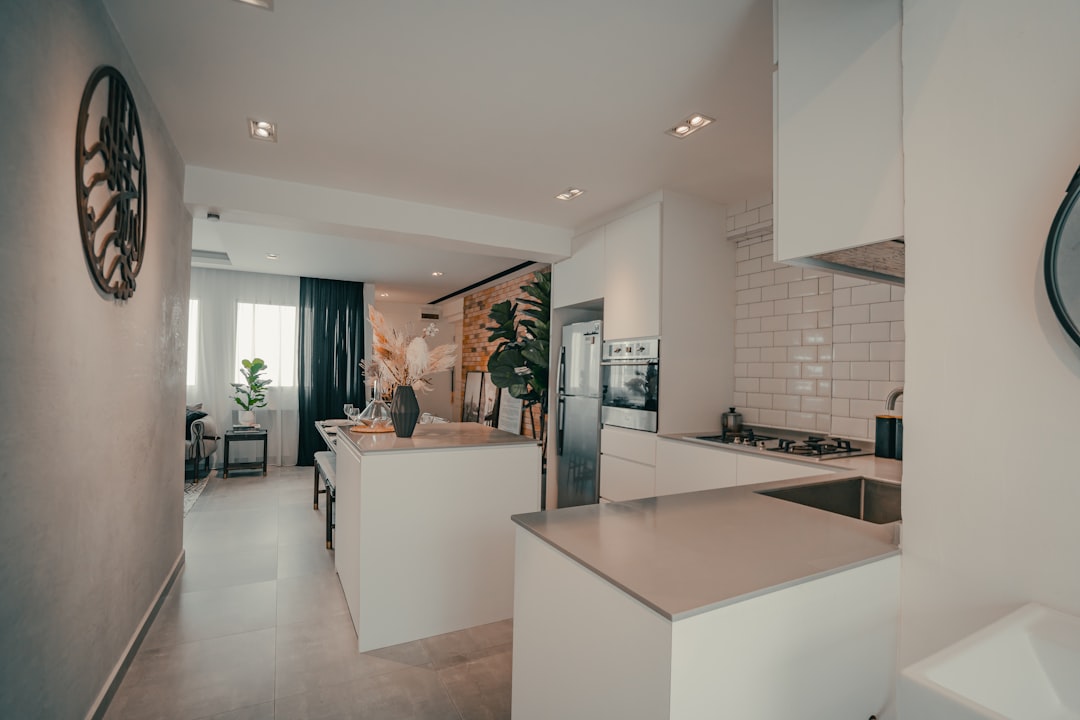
[91, 390]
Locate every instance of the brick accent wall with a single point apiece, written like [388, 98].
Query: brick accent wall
[475, 348]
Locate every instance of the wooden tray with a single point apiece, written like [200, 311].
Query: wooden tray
[363, 429]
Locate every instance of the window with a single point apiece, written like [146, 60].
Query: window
[267, 332]
[192, 342]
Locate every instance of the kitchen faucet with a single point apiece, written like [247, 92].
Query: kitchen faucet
[890, 401]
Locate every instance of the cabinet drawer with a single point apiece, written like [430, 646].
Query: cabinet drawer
[682, 467]
[625, 480]
[635, 445]
[752, 470]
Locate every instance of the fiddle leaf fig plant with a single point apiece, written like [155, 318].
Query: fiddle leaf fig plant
[251, 393]
[519, 362]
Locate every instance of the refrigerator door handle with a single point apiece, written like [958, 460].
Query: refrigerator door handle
[561, 420]
[562, 370]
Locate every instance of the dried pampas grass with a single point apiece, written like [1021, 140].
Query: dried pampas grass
[398, 359]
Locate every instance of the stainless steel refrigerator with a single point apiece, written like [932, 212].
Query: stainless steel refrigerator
[577, 431]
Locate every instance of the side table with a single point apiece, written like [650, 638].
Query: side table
[236, 436]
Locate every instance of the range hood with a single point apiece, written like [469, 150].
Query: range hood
[880, 261]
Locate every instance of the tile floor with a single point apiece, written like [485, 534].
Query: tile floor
[256, 628]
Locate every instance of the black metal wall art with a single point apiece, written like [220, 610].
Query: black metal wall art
[110, 182]
[1062, 266]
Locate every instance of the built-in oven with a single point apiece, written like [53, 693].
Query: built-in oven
[630, 383]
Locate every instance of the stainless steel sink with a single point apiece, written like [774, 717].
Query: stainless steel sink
[858, 497]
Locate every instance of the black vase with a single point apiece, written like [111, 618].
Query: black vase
[404, 411]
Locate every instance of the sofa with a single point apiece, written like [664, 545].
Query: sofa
[201, 442]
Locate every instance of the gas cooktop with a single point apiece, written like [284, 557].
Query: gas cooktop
[812, 446]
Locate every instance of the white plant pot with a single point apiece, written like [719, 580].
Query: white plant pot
[247, 417]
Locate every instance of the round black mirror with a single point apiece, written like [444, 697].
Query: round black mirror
[1063, 262]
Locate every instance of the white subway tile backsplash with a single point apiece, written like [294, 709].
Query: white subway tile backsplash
[803, 288]
[765, 213]
[773, 418]
[760, 370]
[773, 354]
[851, 351]
[819, 405]
[851, 314]
[747, 355]
[805, 321]
[817, 303]
[788, 307]
[748, 296]
[730, 224]
[747, 385]
[801, 420]
[748, 325]
[870, 332]
[849, 427]
[761, 339]
[813, 350]
[869, 371]
[759, 400]
[761, 279]
[873, 293]
[774, 323]
[851, 389]
[774, 292]
[748, 267]
[775, 386]
[887, 351]
[760, 309]
[786, 402]
[789, 273]
[845, 281]
[787, 370]
[882, 312]
[788, 337]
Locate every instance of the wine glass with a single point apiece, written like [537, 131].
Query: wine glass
[348, 410]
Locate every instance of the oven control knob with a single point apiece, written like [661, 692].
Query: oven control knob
[641, 348]
[617, 349]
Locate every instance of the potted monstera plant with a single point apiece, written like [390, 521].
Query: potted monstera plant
[519, 362]
[251, 393]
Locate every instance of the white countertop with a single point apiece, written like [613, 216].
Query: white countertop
[434, 436]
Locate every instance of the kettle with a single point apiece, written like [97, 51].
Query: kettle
[731, 422]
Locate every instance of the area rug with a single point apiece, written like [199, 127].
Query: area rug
[192, 491]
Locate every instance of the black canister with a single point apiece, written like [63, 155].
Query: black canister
[885, 436]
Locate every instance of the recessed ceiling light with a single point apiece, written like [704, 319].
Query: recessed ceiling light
[384, 294]
[262, 130]
[690, 125]
[436, 274]
[264, 4]
[271, 256]
[570, 193]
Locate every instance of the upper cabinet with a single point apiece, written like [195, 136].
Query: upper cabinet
[838, 159]
[580, 277]
[632, 275]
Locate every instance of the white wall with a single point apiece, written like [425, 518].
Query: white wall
[991, 485]
[406, 318]
[91, 435]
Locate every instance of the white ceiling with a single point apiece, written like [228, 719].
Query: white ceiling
[490, 107]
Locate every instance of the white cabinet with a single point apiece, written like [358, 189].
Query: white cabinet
[683, 467]
[751, 470]
[632, 275]
[580, 278]
[627, 464]
[838, 155]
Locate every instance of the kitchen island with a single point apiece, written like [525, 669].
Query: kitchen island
[424, 541]
[719, 603]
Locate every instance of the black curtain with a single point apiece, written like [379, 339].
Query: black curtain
[332, 317]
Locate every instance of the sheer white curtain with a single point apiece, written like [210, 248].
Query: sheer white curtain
[266, 306]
